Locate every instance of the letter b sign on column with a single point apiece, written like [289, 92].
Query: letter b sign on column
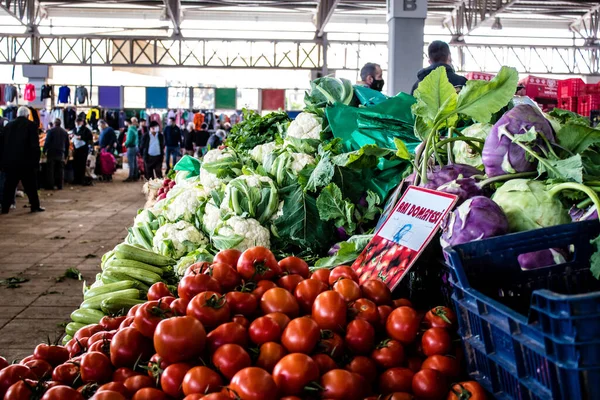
[406, 9]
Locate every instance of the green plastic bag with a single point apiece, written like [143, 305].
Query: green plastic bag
[190, 164]
[369, 97]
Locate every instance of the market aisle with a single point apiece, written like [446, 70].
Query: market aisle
[79, 225]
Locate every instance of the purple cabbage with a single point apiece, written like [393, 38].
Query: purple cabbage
[464, 188]
[542, 258]
[582, 214]
[500, 155]
[475, 219]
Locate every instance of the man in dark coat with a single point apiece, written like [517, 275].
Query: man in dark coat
[439, 55]
[153, 151]
[81, 141]
[56, 149]
[20, 159]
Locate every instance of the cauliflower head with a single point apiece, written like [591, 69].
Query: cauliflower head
[259, 153]
[182, 203]
[177, 239]
[253, 196]
[211, 217]
[299, 161]
[306, 126]
[208, 179]
[248, 230]
[144, 217]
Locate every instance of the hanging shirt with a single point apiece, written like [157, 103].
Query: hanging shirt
[10, 93]
[70, 117]
[122, 119]
[46, 92]
[45, 117]
[64, 95]
[81, 95]
[29, 92]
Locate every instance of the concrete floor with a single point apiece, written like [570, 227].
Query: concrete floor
[80, 224]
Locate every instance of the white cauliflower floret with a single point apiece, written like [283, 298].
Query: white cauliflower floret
[251, 230]
[299, 161]
[184, 202]
[279, 212]
[181, 176]
[208, 179]
[259, 153]
[178, 239]
[214, 155]
[144, 217]
[306, 126]
[211, 218]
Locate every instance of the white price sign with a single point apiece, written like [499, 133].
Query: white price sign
[406, 9]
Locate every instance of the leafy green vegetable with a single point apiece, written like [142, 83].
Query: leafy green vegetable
[595, 259]
[332, 206]
[569, 169]
[314, 177]
[255, 130]
[577, 138]
[365, 158]
[328, 91]
[565, 116]
[347, 253]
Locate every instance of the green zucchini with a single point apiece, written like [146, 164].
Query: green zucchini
[109, 288]
[96, 301]
[116, 304]
[87, 316]
[66, 339]
[134, 264]
[72, 328]
[112, 277]
[125, 251]
[147, 277]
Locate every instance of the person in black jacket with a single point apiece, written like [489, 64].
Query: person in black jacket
[153, 151]
[174, 142]
[439, 55]
[20, 159]
[201, 140]
[56, 149]
[81, 141]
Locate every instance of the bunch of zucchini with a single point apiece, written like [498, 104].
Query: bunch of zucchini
[127, 274]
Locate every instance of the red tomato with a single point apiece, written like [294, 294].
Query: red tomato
[294, 265]
[289, 282]
[258, 263]
[66, 373]
[109, 323]
[150, 394]
[230, 332]
[201, 380]
[137, 382]
[40, 368]
[229, 359]
[294, 372]
[279, 300]
[448, 366]
[322, 275]
[62, 393]
[376, 291]
[429, 384]
[211, 396]
[179, 307]
[132, 311]
[27, 359]
[384, 312]
[3, 363]
[414, 364]
[100, 336]
[128, 321]
[95, 367]
[197, 268]
[401, 303]
[191, 285]
[281, 319]
[25, 389]
[388, 354]
[108, 395]
[225, 274]
[307, 291]
[436, 341]
[172, 379]
[117, 387]
[331, 343]
[129, 345]
[240, 319]
[329, 311]
[301, 336]
[364, 367]
[440, 317]
[466, 390]
[229, 257]
[102, 346]
[324, 362]
[179, 339]
[54, 355]
[244, 303]
[263, 330]
[365, 309]
[156, 366]
[261, 287]
[342, 271]
[269, 355]
[399, 396]
[77, 347]
[158, 291]
[86, 331]
[402, 324]
[360, 336]
[349, 289]
[254, 384]
[210, 308]
[121, 374]
[340, 384]
[396, 380]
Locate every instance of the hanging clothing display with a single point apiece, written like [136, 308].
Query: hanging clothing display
[198, 121]
[92, 117]
[2, 101]
[10, 93]
[46, 92]
[29, 92]
[10, 113]
[57, 112]
[156, 117]
[64, 95]
[70, 117]
[81, 95]
[45, 118]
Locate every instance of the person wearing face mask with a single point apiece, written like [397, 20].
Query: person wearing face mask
[153, 151]
[372, 76]
[439, 55]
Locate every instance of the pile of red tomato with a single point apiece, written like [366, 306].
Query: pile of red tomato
[249, 327]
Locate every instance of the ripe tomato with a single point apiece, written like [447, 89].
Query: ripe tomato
[364, 309]
[76, 347]
[466, 390]
[179, 339]
[95, 367]
[324, 362]
[211, 396]
[258, 263]
[158, 291]
[264, 329]
[289, 282]
[102, 346]
[179, 307]
[230, 332]
[123, 373]
[448, 366]
[396, 380]
[229, 257]
[62, 393]
[436, 341]
[301, 335]
[261, 287]
[137, 382]
[150, 394]
[360, 336]
[129, 345]
[109, 323]
[401, 303]
[66, 373]
[40, 368]
[191, 285]
[128, 321]
[108, 395]
[376, 291]
[269, 355]
[3, 363]
[384, 312]
[281, 319]
[156, 366]
[210, 308]
[349, 289]
[100, 336]
[388, 354]
[244, 303]
[86, 331]
[172, 379]
[240, 319]
[25, 389]
[201, 380]
[197, 268]
[340, 384]
[329, 311]
[294, 372]
[279, 300]
[402, 324]
[331, 343]
[254, 384]
[399, 396]
[113, 387]
[342, 271]
[429, 384]
[322, 275]
[132, 311]
[230, 358]
[414, 364]
[225, 274]
[440, 317]
[295, 265]
[149, 315]
[364, 367]
[54, 355]
[27, 359]
[307, 291]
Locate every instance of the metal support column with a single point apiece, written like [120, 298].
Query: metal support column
[324, 46]
[406, 23]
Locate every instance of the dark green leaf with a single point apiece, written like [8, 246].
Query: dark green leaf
[595, 259]
[577, 138]
[570, 169]
[320, 175]
[365, 158]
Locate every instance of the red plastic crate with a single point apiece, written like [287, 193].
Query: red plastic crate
[586, 104]
[568, 103]
[540, 88]
[480, 76]
[570, 87]
[591, 88]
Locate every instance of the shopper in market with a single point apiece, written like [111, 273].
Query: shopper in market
[188, 139]
[201, 140]
[216, 139]
[173, 141]
[439, 55]
[56, 149]
[2, 173]
[131, 143]
[82, 140]
[20, 159]
[108, 138]
[153, 151]
[372, 76]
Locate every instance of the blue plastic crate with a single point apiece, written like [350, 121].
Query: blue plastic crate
[530, 334]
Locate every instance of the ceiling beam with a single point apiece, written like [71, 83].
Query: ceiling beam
[469, 15]
[325, 10]
[588, 25]
[173, 9]
[14, 9]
